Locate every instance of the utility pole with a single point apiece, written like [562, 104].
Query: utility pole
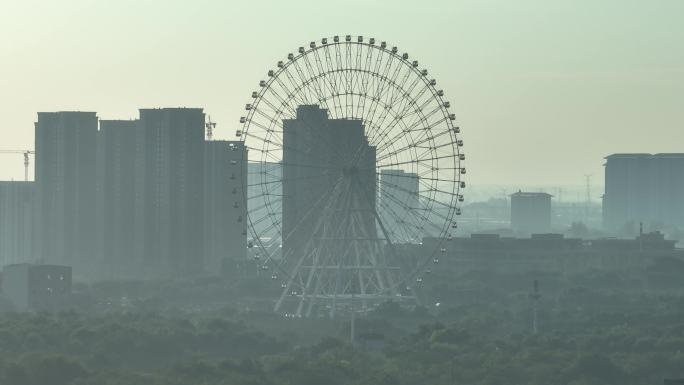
[352, 336]
[587, 203]
[535, 296]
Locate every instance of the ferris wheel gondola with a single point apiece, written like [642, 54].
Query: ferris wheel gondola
[353, 155]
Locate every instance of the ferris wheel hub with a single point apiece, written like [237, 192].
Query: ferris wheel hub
[352, 158]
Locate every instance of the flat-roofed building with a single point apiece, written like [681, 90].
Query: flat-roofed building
[65, 165]
[16, 222]
[530, 212]
[169, 201]
[118, 160]
[317, 152]
[32, 287]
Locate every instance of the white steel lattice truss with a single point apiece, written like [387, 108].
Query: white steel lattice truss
[353, 156]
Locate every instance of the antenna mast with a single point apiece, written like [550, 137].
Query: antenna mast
[210, 128]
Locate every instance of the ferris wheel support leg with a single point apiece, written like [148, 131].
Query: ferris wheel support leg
[313, 301]
[279, 303]
[309, 279]
[288, 287]
[333, 309]
[309, 246]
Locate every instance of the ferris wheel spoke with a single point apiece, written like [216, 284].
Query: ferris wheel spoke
[418, 115]
[279, 166]
[398, 221]
[351, 224]
[286, 103]
[379, 84]
[281, 147]
[390, 83]
[317, 81]
[280, 182]
[265, 205]
[415, 144]
[339, 66]
[350, 73]
[382, 223]
[424, 218]
[306, 83]
[415, 162]
[322, 204]
[325, 80]
[297, 86]
[358, 74]
[288, 90]
[408, 109]
[397, 118]
[400, 91]
[333, 76]
[365, 75]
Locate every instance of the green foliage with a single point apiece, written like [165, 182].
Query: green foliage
[597, 327]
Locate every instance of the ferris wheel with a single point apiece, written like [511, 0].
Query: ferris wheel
[353, 158]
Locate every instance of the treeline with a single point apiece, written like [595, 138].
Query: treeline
[587, 347]
[474, 328]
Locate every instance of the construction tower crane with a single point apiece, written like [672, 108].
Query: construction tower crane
[26, 154]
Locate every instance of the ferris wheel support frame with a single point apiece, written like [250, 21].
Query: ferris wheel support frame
[300, 81]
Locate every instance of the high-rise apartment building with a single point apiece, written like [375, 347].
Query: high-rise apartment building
[328, 179]
[117, 164]
[169, 204]
[65, 167]
[225, 211]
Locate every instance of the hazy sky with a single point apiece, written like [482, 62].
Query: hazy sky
[543, 89]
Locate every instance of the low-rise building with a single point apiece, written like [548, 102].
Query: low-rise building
[530, 212]
[32, 287]
[543, 252]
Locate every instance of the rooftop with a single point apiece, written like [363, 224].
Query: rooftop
[525, 194]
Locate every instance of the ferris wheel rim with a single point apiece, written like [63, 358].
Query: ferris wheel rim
[393, 53]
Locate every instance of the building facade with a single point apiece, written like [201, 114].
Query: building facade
[328, 179]
[32, 287]
[169, 201]
[399, 204]
[130, 200]
[643, 189]
[117, 164]
[530, 212]
[225, 207]
[65, 173]
[16, 222]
